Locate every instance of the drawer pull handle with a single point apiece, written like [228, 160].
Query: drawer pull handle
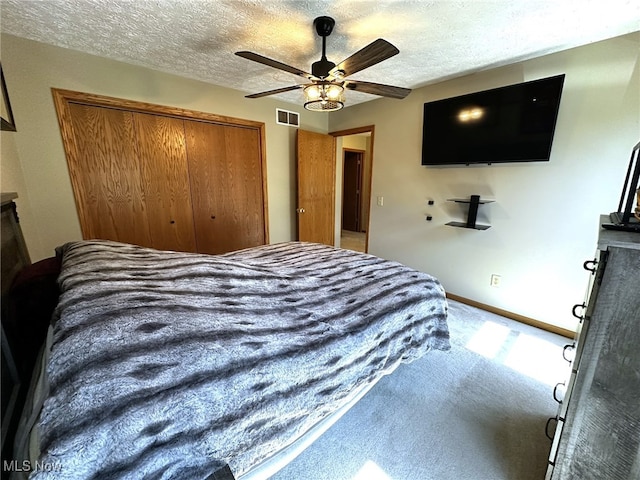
[590, 266]
[568, 349]
[574, 311]
[555, 391]
[546, 428]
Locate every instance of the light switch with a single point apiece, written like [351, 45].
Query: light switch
[380, 200]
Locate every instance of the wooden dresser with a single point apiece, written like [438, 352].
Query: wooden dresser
[14, 258]
[597, 434]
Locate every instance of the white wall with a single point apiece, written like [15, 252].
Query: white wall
[33, 160]
[545, 219]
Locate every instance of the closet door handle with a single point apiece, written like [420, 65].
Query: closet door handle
[213, 217]
[172, 222]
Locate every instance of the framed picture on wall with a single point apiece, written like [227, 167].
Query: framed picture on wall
[6, 115]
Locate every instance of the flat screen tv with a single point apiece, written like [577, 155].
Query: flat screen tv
[508, 124]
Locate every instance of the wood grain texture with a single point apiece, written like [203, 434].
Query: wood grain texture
[150, 169]
[225, 169]
[316, 167]
[62, 96]
[378, 89]
[601, 436]
[374, 53]
[106, 176]
[165, 181]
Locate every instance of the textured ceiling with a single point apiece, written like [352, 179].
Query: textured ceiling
[437, 39]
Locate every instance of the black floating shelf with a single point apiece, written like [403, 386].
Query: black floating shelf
[467, 200]
[473, 202]
[464, 225]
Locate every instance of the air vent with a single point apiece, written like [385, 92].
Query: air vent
[285, 117]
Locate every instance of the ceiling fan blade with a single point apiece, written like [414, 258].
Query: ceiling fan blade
[378, 89]
[277, 90]
[368, 56]
[274, 63]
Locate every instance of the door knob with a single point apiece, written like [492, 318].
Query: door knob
[300, 210]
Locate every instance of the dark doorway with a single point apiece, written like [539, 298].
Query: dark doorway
[352, 190]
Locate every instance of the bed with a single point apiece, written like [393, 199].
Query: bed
[167, 365]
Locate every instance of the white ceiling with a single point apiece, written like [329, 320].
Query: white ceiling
[437, 40]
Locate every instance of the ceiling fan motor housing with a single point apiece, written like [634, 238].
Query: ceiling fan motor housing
[321, 68]
[324, 26]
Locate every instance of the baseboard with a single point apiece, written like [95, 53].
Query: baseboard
[513, 316]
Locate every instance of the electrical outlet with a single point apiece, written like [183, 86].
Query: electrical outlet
[495, 280]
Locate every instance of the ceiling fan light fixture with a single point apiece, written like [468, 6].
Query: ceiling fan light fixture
[312, 92]
[324, 97]
[334, 92]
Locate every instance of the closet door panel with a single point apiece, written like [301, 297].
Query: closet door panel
[225, 170]
[105, 175]
[245, 180]
[165, 181]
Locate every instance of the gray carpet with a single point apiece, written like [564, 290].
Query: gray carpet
[477, 412]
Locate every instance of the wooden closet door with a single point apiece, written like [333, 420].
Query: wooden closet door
[105, 174]
[225, 171]
[165, 181]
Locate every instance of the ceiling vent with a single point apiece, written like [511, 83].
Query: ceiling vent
[285, 117]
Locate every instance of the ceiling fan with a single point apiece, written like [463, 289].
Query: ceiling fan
[325, 92]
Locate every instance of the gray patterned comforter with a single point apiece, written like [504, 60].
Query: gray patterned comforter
[169, 365]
